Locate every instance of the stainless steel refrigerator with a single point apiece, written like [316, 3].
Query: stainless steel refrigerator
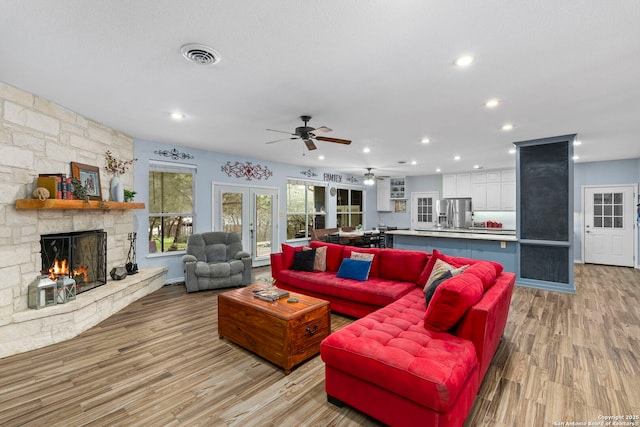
[454, 213]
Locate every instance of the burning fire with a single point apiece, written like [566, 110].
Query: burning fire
[61, 269]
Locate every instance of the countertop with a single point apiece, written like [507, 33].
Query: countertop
[457, 233]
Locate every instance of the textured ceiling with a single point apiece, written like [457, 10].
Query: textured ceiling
[379, 73]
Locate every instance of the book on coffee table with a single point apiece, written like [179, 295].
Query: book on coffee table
[270, 295]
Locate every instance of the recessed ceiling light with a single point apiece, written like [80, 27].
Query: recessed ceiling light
[366, 150]
[413, 162]
[507, 126]
[438, 170]
[456, 158]
[576, 142]
[425, 140]
[477, 167]
[320, 157]
[464, 61]
[512, 151]
[492, 103]
[176, 115]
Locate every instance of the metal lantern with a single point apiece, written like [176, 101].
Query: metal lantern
[42, 293]
[66, 290]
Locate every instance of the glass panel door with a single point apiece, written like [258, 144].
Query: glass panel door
[251, 212]
[264, 220]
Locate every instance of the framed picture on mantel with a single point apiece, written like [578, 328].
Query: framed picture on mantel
[89, 176]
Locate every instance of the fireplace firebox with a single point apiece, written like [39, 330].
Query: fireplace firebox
[80, 255]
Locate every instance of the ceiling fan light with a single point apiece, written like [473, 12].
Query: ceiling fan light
[369, 178]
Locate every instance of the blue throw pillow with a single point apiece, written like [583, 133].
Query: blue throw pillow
[354, 269]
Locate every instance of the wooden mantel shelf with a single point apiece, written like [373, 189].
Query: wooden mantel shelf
[74, 204]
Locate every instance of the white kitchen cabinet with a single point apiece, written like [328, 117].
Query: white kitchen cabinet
[449, 186]
[495, 176]
[508, 175]
[494, 196]
[508, 194]
[456, 185]
[490, 190]
[478, 177]
[463, 183]
[479, 196]
[383, 189]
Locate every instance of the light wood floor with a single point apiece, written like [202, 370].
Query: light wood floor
[159, 362]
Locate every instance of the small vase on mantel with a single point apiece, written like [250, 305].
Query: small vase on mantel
[117, 189]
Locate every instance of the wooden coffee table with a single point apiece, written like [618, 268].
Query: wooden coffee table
[284, 333]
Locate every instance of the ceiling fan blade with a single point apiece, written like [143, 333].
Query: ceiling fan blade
[278, 140]
[321, 129]
[338, 140]
[310, 145]
[281, 131]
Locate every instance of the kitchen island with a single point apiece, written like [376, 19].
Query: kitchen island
[493, 244]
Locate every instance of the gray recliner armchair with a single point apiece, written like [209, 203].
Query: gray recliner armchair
[215, 260]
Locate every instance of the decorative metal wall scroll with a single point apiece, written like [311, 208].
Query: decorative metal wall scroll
[247, 170]
[174, 154]
[352, 180]
[308, 173]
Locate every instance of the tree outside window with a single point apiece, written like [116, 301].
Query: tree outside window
[170, 208]
[305, 208]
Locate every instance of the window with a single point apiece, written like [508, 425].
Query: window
[305, 208]
[349, 207]
[171, 189]
[607, 210]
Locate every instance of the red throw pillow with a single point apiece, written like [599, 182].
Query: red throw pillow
[287, 255]
[485, 271]
[435, 255]
[451, 301]
[499, 268]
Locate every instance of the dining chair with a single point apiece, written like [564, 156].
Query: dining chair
[365, 240]
[388, 241]
[333, 238]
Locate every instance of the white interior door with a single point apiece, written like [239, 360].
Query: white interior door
[252, 212]
[423, 210]
[609, 224]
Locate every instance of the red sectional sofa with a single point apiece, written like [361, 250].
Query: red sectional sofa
[403, 362]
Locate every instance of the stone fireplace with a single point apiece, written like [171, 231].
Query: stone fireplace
[38, 136]
[80, 255]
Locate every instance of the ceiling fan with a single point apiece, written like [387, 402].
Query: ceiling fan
[369, 177]
[309, 134]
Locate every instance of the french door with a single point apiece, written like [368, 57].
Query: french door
[609, 225]
[253, 213]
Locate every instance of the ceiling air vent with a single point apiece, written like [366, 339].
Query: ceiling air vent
[200, 54]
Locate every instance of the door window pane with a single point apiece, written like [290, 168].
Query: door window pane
[607, 210]
[425, 209]
[232, 213]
